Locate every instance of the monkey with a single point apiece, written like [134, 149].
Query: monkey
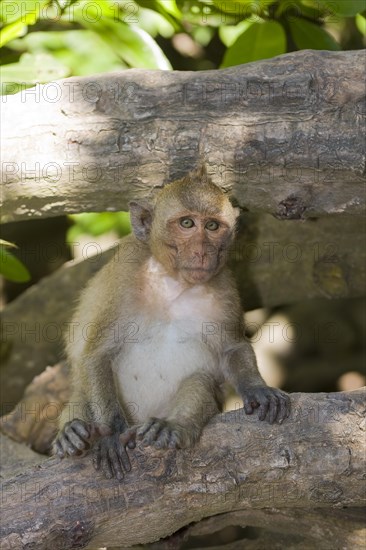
[157, 332]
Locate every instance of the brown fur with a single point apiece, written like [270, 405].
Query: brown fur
[165, 331]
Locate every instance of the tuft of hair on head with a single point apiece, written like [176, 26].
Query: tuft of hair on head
[195, 191]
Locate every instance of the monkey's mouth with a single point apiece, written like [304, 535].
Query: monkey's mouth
[197, 274]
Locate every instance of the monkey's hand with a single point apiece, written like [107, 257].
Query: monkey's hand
[273, 405]
[73, 439]
[162, 433]
[110, 454]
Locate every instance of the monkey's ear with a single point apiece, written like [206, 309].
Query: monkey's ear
[237, 212]
[141, 219]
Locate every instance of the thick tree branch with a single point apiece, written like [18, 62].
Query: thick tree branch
[315, 459]
[285, 135]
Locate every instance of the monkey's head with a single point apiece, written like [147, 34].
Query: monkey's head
[189, 228]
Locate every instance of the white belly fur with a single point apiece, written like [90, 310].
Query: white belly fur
[149, 371]
[169, 344]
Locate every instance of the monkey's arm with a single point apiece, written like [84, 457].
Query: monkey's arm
[242, 371]
[197, 400]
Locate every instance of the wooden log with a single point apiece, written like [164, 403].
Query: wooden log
[284, 135]
[315, 459]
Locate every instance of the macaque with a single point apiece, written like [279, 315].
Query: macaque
[157, 332]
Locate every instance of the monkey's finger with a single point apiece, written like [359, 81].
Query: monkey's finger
[163, 438]
[249, 404]
[142, 430]
[284, 408]
[78, 443]
[124, 458]
[263, 407]
[105, 462]
[272, 409]
[81, 429]
[67, 445]
[97, 457]
[114, 464]
[175, 441]
[128, 438]
[151, 435]
[57, 449]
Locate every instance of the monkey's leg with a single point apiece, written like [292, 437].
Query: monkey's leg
[198, 399]
[94, 416]
[77, 430]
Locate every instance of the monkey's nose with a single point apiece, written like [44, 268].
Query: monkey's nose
[199, 256]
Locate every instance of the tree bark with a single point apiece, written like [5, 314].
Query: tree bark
[315, 459]
[284, 135]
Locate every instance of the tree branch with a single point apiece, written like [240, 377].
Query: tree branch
[285, 135]
[315, 459]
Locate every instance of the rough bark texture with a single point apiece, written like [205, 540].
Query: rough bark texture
[285, 135]
[34, 421]
[315, 459]
[34, 325]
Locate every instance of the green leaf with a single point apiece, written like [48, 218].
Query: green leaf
[348, 8]
[243, 8]
[92, 223]
[32, 69]
[12, 268]
[259, 41]
[155, 23]
[7, 243]
[12, 31]
[230, 33]
[72, 49]
[170, 6]
[132, 44]
[28, 14]
[307, 35]
[14, 10]
[361, 24]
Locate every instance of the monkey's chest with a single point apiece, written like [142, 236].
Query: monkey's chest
[169, 344]
[150, 369]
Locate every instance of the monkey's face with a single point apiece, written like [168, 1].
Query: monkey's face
[189, 229]
[192, 245]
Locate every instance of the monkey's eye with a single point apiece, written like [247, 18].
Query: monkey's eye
[187, 223]
[212, 225]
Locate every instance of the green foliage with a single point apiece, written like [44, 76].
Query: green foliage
[361, 24]
[258, 41]
[52, 39]
[96, 224]
[132, 45]
[348, 8]
[44, 40]
[10, 267]
[307, 35]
